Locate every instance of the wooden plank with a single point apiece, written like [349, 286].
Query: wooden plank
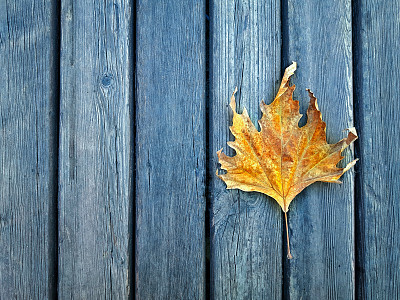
[321, 217]
[95, 190]
[246, 228]
[28, 149]
[377, 63]
[170, 147]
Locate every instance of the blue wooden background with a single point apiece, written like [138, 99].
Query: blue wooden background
[111, 113]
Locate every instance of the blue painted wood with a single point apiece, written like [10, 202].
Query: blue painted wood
[96, 155]
[377, 57]
[96, 163]
[321, 217]
[28, 149]
[246, 228]
[170, 150]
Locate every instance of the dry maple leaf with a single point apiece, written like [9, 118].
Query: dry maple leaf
[282, 158]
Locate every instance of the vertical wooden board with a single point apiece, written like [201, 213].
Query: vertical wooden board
[28, 153]
[95, 189]
[321, 217]
[170, 147]
[245, 49]
[377, 30]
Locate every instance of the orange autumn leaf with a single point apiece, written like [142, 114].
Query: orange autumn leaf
[282, 158]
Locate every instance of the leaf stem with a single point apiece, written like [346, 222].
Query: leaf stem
[289, 255]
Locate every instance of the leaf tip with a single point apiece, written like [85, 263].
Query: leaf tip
[289, 71]
[313, 99]
[233, 101]
[350, 165]
[292, 67]
[219, 160]
[352, 135]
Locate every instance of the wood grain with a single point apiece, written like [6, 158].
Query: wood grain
[377, 29]
[28, 149]
[96, 168]
[246, 245]
[321, 217]
[170, 150]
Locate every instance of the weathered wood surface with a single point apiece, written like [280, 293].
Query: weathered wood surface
[110, 212]
[96, 161]
[246, 244]
[377, 63]
[321, 217]
[28, 149]
[170, 150]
